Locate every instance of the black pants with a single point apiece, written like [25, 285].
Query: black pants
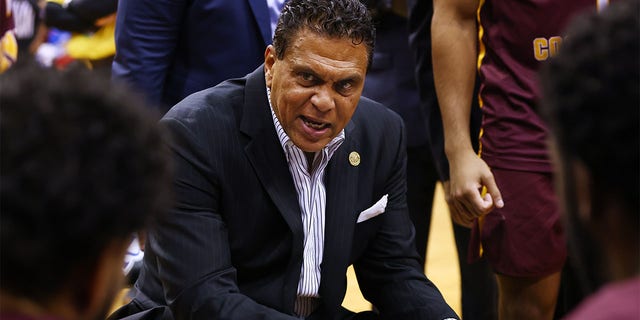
[478, 284]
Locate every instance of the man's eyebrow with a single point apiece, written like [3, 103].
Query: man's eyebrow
[352, 78]
[305, 69]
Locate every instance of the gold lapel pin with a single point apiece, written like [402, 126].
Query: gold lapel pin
[354, 158]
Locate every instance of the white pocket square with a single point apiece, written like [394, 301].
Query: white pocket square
[375, 210]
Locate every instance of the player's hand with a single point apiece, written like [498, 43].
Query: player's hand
[459, 217]
[468, 175]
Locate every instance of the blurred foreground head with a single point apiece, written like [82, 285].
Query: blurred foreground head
[591, 101]
[83, 166]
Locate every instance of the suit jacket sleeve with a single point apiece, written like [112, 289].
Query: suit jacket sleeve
[146, 38]
[389, 273]
[191, 243]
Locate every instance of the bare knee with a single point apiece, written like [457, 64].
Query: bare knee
[528, 298]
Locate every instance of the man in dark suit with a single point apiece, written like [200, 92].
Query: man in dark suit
[170, 49]
[284, 178]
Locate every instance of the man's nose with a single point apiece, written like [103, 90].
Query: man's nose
[323, 100]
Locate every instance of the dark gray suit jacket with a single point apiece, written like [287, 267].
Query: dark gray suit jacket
[232, 247]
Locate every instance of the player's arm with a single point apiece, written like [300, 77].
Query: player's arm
[454, 49]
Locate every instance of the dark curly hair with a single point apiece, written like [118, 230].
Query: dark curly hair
[331, 18]
[82, 164]
[591, 99]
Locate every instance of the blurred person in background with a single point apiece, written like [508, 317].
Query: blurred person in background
[91, 24]
[171, 49]
[27, 20]
[83, 166]
[8, 44]
[591, 99]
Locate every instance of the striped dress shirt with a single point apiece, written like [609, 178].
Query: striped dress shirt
[311, 192]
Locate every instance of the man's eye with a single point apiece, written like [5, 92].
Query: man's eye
[345, 86]
[307, 77]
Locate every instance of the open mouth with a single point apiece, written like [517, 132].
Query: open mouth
[313, 124]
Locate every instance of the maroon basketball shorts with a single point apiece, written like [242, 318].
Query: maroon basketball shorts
[525, 238]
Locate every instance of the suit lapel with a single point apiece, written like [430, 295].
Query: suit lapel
[340, 217]
[264, 151]
[261, 14]
[267, 158]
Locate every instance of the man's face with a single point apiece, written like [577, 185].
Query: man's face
[316, 87]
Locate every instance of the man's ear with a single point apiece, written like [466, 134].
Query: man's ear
[583, 185]
[269, 60]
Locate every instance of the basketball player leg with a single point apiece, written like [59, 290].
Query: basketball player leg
[525, 244]
[528, 298]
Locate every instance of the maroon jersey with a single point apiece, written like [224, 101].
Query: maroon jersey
[615, 301]
[516, 37]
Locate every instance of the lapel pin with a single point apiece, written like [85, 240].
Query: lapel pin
[354, 158]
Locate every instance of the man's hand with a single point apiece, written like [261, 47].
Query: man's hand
[464, 191]
[457, 216]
